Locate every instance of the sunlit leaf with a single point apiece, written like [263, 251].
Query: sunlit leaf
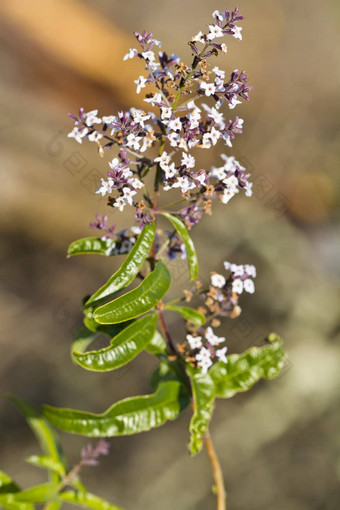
[38, 494]
[87, 500]
[242, 371]
[203, 404]
[124, 347]
[43, 461]
[91, 245]
[46, 436]
[129, 416]
[188, 244]
[157, 345]
[189, 314]
[7, 488]
[138, 301]
[130, 267]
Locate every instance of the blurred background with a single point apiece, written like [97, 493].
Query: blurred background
[279, 444]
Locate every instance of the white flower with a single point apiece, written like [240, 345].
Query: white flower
[227, 140]
[204, 354]
[209, 88]
[237, 286]
[77, 134]
[188, 160]
[166, 112]
[183, 144]
[239, 123]
[133, 141]
[136, 183]
[220, 354]
[248, 189]
[155, 99]
[170, 171]
[120, 202]
[136, 229]
[91, 118]
[126, 173]
[199, 37]
[218, 173]
[163, 160]
[234, 102]
[205, 364]
[219, 72]
[217, 280]
[201, 177]
[214, 135]
[108, 119]
[195, 342]
[232, 182]
[224, 48]
[106, 187]
[95, 136]
[140, 82]
[174, 139]
[128, 194]
[149, 55]
[140, 117]
[219, 15]
[184, 184]
[214, 31]
[212, 338]
[130, 54]
[250, 269]
[237, 33]
[249, 286]
[175, 124]
[228, 194]
[206, 143]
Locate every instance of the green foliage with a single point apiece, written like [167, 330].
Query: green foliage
[203, 390]
[157, 345]
[129, 269]
[52, 493]
[138, 301]
[189, 314]
[123, 348]
[91, 245]
[244, 370]
[189, 245]
[129, 416]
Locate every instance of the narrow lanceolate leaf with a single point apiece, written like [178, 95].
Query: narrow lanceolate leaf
[242, 371]
[46, 436]
[38, 494]
[157, 344]
[123, 348]
[130, 267]
[189, 314]
[203, 390]
[46, 462]
[87, 500]
[129, 416]
[7, 490]
[94, 245]
[188, 244]
[138, 301]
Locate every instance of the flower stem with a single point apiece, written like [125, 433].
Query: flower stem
[217, 472]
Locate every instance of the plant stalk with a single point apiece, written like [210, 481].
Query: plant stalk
[221, 494]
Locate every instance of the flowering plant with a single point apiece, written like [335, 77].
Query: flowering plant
[156, 153]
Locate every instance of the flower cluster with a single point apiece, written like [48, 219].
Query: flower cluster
[118, 243]
[90, 453]
[206, 349]
[180, 127]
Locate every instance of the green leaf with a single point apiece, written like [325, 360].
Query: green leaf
[38, 494]
[189, 314]
[46, 436]
[46, 462]
[138, 301]
[87, 500]
[129, 416]
[203, 403]
[244, 370]
[7, 488]
[124, 347]
[91, 245]
[157, 345]
[188, 244]
[130, 267]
